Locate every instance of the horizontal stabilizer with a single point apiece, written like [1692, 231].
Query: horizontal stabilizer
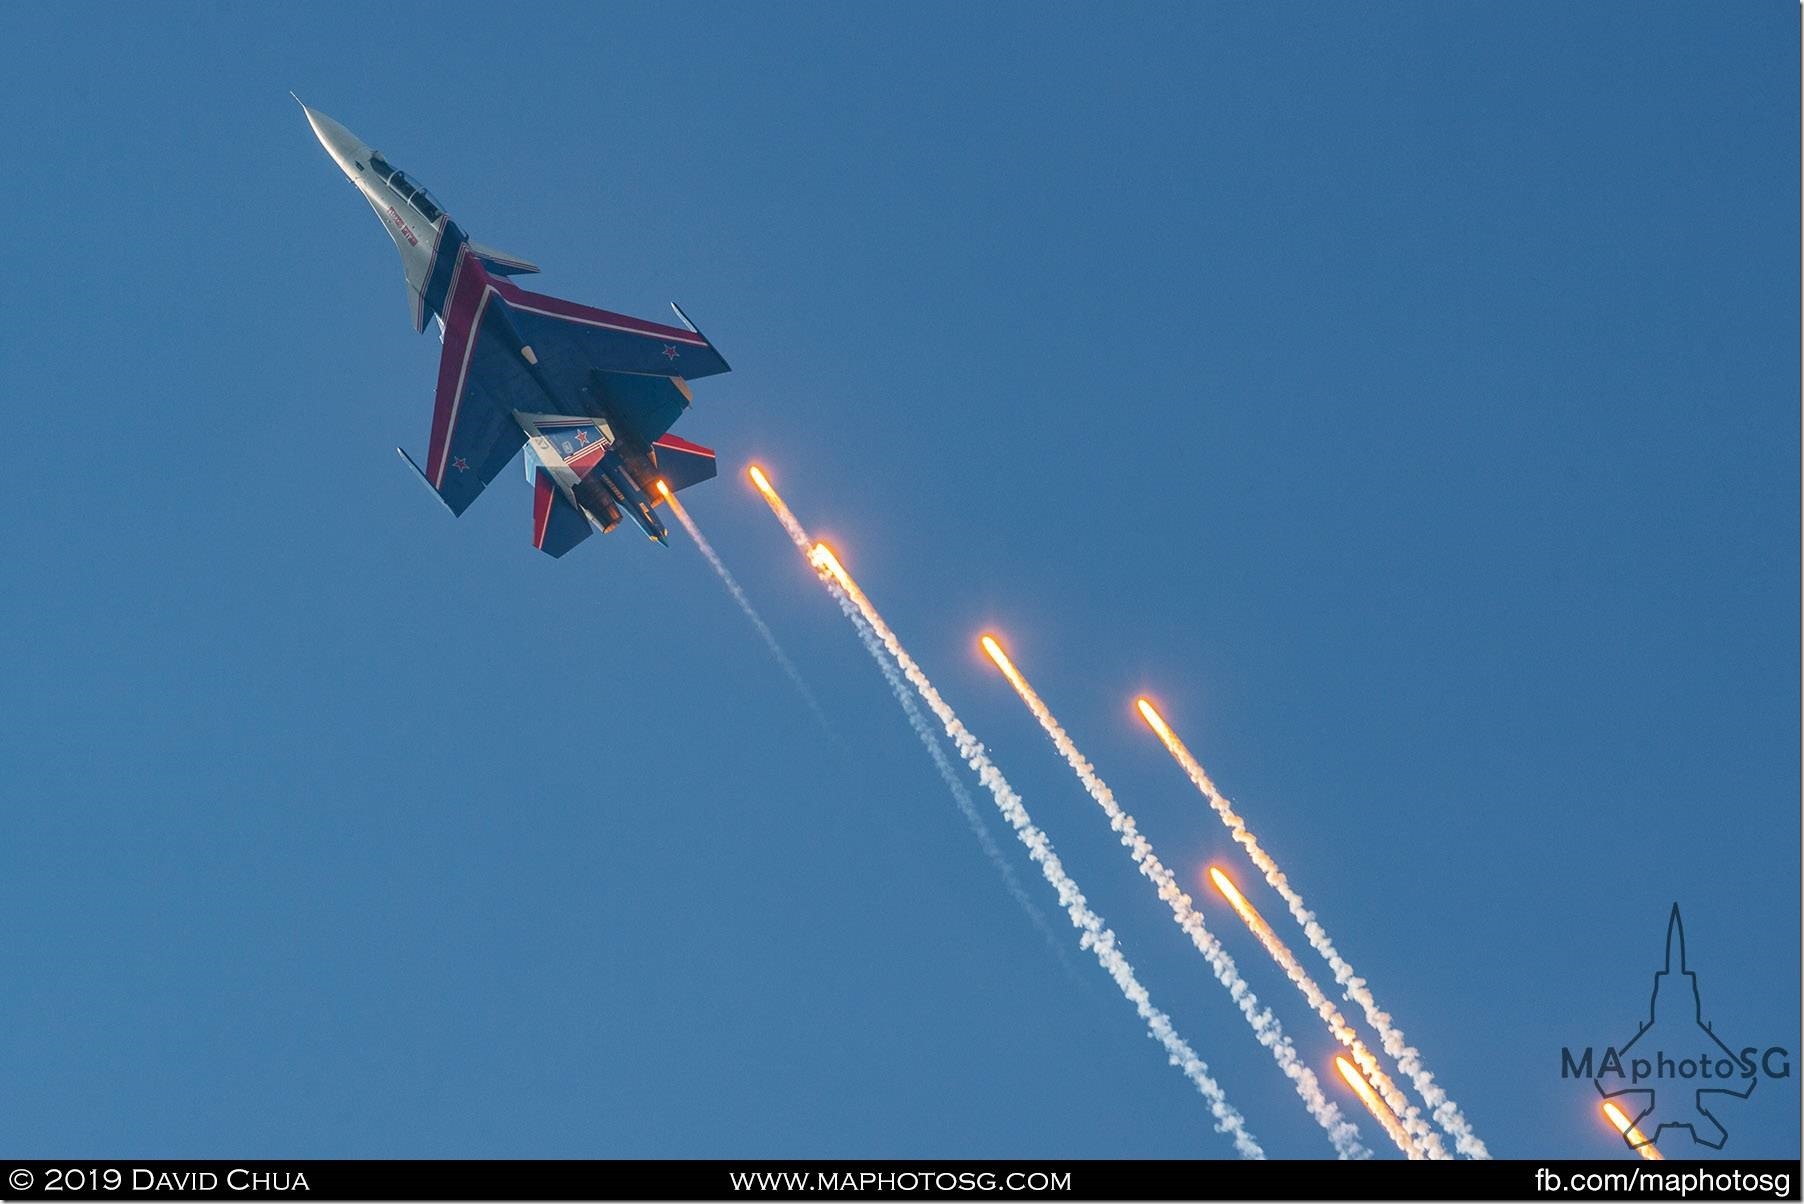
[557, 525]
[640, 405]
[682, 463]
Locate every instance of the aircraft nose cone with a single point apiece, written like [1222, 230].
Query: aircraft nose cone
[340, 143]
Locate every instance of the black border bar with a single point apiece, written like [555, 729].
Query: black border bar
[832, 1179]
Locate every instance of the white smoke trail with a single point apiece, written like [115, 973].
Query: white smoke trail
[1446, 1113]
[798, 535]
[1265, 1026]
[936, 750]
[1419, 1138]
[1095, 936]
[930, 739]
[745, 604]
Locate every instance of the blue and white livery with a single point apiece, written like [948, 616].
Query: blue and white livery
[590, 395]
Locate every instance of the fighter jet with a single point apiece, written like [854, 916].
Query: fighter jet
[591, 395]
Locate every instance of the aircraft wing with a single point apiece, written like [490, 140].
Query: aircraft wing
[608, 341]
[589, 363]
[481, 382]
[609, 365]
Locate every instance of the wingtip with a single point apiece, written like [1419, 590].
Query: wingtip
[424, 479]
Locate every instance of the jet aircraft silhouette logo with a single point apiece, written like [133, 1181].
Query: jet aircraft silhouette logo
[1694, 1071]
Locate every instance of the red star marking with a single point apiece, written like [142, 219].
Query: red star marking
[461, 464]
[582, 438]
[670, 352]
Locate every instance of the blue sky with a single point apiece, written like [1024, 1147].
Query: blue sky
[1405, 395]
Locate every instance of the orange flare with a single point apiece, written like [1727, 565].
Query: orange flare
[1015, 679]
[759, 479]
[1153, 719]
[1631, 1132]
[1357, 1081]
[1380, 1111]
[1229, 891]
[663, 488]
[1401, 1120]
[1008, 667]
[1249, 913]
[823, 557]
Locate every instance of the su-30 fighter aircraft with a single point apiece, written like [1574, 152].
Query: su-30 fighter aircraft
[591, 395]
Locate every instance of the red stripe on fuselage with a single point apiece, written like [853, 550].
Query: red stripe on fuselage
[463, 306]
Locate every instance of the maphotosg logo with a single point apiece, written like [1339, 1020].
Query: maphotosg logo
[1675, 1073]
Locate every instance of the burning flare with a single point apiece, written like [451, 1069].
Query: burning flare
[1265, 1026]
[819, 556]
[1420, 1140]
[1632, 1132]
[1446, 1113]
[1380, 1113]
[1094, 935]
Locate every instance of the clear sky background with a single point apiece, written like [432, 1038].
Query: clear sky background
[1405, 395]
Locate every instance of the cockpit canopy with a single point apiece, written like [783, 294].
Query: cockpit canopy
[416, 196]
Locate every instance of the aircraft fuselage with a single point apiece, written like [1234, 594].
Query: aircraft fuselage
[593, 402]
